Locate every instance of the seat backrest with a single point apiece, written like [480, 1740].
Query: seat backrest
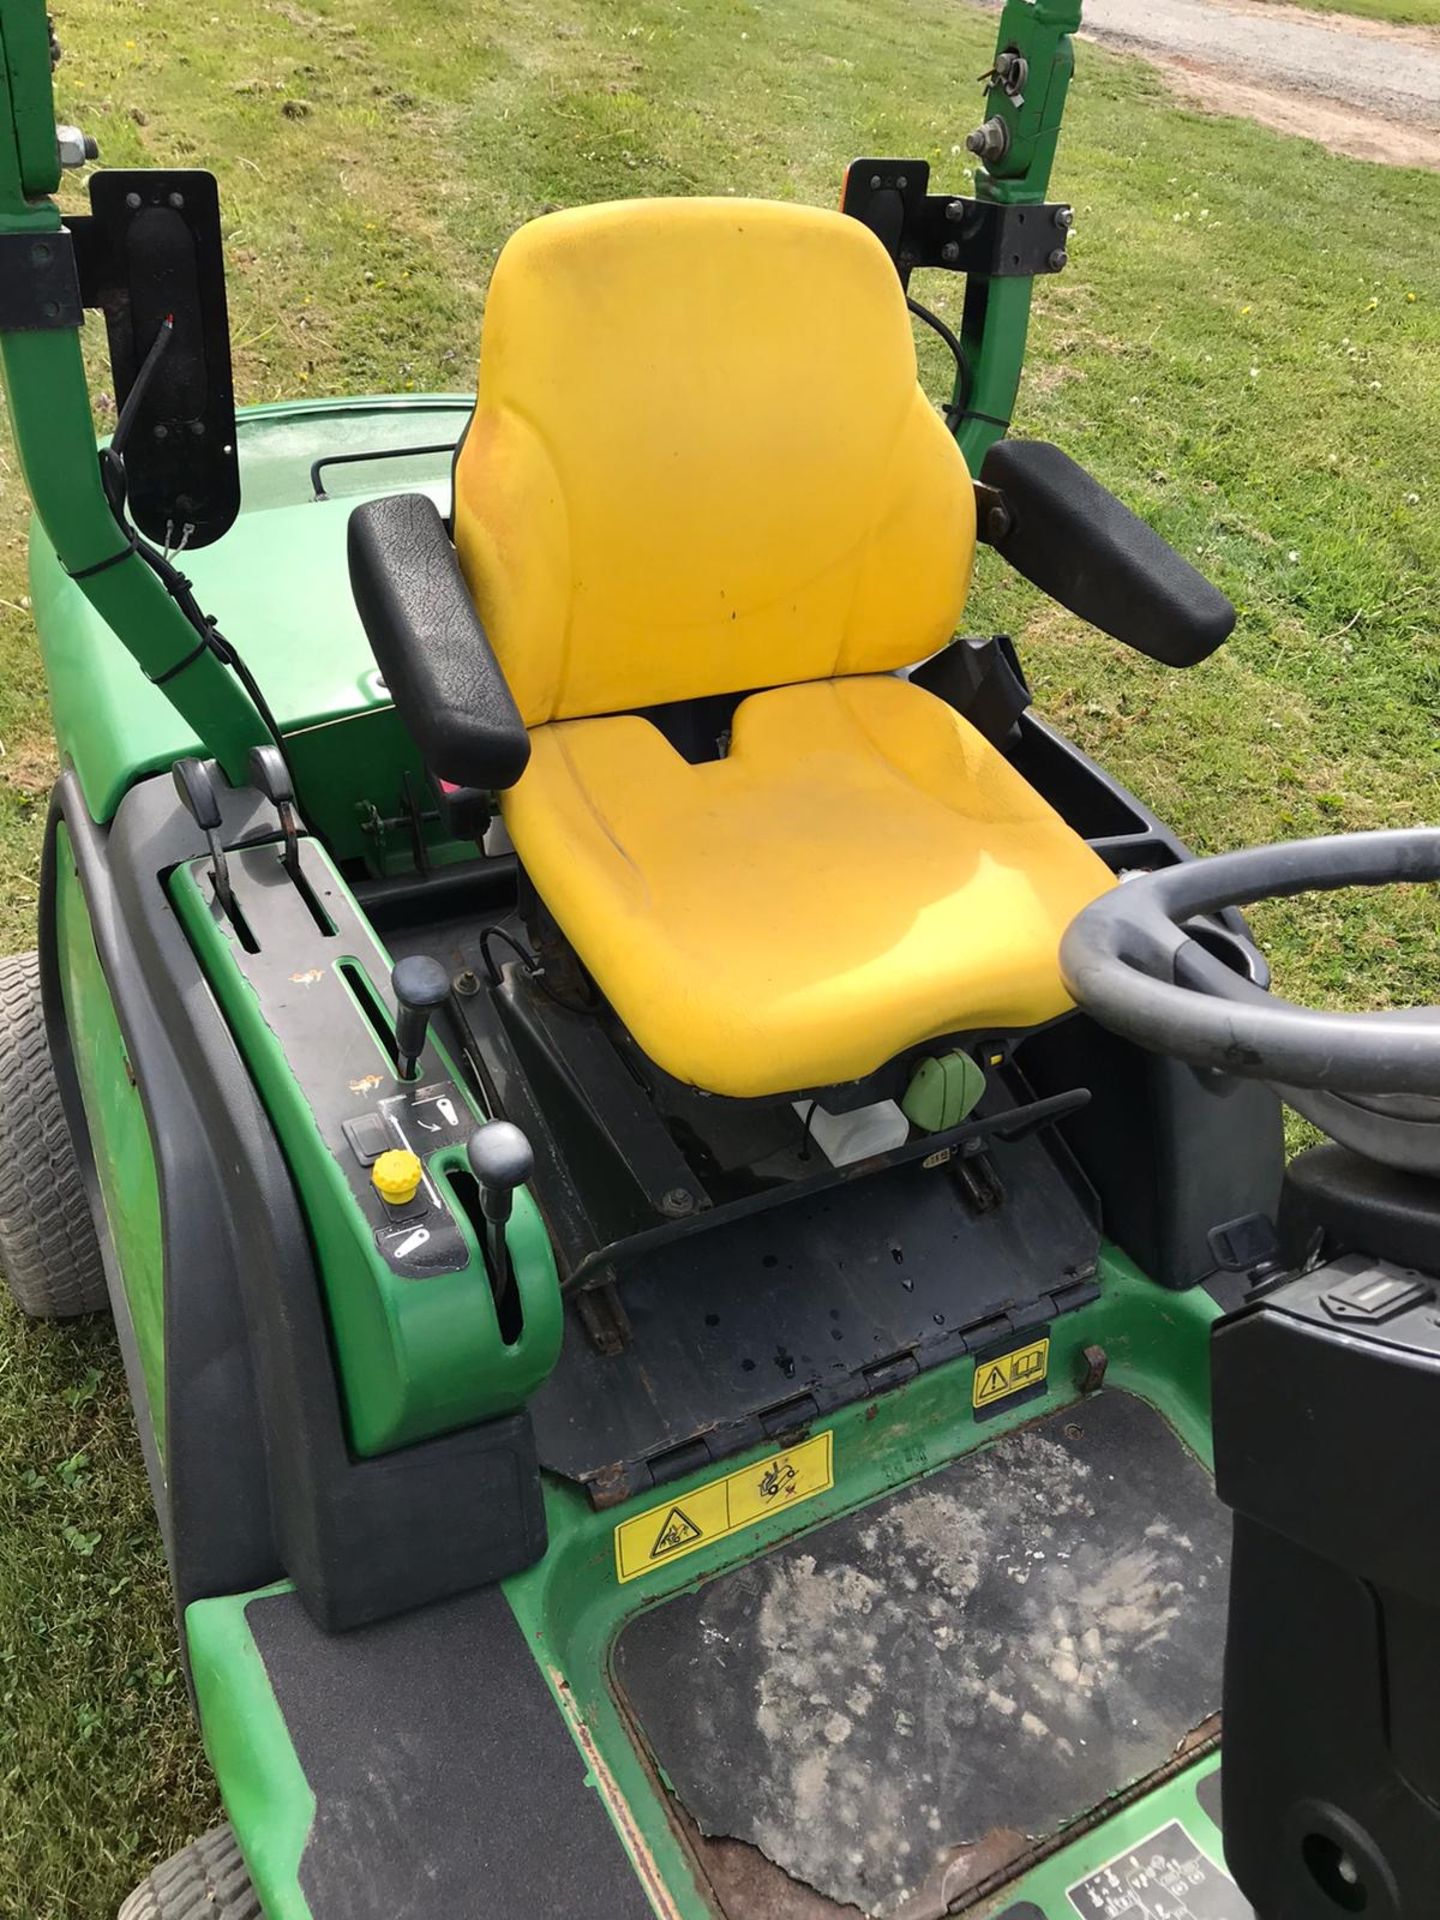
[700, 461]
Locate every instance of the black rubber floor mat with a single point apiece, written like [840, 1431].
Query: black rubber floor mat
[897, 1705]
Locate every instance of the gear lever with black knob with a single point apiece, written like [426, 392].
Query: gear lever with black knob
[501, 1160]
[420, 985]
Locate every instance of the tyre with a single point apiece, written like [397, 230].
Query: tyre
[204, 1881]
[49, 1254]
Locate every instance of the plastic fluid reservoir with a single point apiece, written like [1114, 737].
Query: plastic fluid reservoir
[844, 1138]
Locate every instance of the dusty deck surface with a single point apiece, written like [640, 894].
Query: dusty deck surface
[895, 1706]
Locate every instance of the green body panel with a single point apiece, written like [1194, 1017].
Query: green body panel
[279, 588]
[415, 1358]
[266, 1793]
[119, 1131]
[571, 1607]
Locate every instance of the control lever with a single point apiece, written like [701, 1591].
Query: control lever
[270, 774]
[420, 985]
[197, 793]
[501, 1160]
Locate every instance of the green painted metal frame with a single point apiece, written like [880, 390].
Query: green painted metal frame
[996, 319]
[49, 401]
[571, 1607]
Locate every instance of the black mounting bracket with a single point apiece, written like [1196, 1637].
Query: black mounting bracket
[39, 285]
[149, 249]
[917, 228]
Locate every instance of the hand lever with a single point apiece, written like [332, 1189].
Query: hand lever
[270, 774]
[420, 985]
[197, 794]
[501, 1160]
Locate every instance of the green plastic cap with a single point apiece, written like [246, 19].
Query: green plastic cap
[944, 1091]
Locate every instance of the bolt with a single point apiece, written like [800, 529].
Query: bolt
[956, 210]
[176, 200]
[990, 141]
[467, 983]
[1065, 217]
[1057, 259]
[197, 429]
[875, 183]
[902, 182]
[41, 254]
[162, 432]
[678, 1202]
[950, 252]
[74, 147]
[997, 524]
[132, 201]
[50, 310]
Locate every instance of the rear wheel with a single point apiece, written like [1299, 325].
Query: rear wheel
[48, 1250]
[204, 1881]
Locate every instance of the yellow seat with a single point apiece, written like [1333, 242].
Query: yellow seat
[861, 871]
[700, 463]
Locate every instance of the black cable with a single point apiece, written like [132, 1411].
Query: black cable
[952, 340]
[805, 1133]
[526, 958]
[135, 399]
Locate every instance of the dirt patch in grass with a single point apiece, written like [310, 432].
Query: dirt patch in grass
[1356, 133]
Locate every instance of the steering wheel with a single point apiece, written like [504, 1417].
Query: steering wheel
[1370, 1080]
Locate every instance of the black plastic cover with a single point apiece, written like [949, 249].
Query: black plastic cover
[431, 647]
[1082, 546]
[151, 250]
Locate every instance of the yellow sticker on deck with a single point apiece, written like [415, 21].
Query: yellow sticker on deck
[654, 1538]
[1010, 1373]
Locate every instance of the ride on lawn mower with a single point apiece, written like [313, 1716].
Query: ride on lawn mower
[693, 1198]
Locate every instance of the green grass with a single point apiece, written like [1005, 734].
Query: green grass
[1412, 13]
[1245, 348]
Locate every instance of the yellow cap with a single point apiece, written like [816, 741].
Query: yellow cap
[397, 1176]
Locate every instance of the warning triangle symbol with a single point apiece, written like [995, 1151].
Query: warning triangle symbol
[678, 1531]
[995, 1381]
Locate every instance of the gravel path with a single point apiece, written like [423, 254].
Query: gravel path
[1388, 71]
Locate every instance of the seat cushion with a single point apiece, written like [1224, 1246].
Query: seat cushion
[863, 871]
[701, 461]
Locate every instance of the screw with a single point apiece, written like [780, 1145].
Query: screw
[177, 200]
[41, 254]
[162, 432]
[677, 1202]
[132, 201]
[997, 524]
[902, 182]
[950, 252]
[467, 983]
[197, 429]
[1057, 259]
[50, 310]
[1065, 217]
[875, 183]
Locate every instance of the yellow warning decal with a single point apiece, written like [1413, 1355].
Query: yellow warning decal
[1010, 1373]
[678, 1527]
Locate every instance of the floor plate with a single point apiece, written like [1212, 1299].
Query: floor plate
[898, 1706]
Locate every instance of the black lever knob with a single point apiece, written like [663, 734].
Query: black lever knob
[420, 985]
[501, 1160]
[196, 787]
[270, 774]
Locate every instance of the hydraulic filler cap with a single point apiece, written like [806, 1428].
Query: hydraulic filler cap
[397, 1175]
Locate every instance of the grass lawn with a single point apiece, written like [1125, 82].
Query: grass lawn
[1245, 347]
[1414, 13]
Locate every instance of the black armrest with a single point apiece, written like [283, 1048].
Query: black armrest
[1076, 541]
[430, 646]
